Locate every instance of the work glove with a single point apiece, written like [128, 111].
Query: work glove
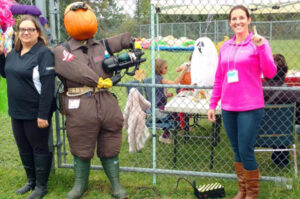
[104, 83]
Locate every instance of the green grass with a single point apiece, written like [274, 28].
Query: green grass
[290, 49]
[3, 96]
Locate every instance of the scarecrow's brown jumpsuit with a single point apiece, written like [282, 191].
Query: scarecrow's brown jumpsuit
[98, 118]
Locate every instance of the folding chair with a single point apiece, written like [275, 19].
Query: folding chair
[276, 130]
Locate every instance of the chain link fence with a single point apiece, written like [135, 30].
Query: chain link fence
[196, 147]
[216, 29]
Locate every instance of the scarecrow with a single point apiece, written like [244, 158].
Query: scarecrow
[87, 70]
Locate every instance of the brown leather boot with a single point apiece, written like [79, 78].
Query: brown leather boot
[252, 183]
[238, 166]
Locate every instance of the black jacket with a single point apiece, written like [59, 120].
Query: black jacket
[30, 82]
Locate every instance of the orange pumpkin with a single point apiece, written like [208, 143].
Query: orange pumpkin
[186, 78]
[80, 23]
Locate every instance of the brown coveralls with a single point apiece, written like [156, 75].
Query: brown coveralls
[98, 117]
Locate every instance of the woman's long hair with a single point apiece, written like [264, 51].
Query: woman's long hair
[41, 38]
[159, 64]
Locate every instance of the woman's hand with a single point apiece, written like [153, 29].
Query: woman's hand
[2, 47]
[256, 38]
[42, 123]
[211, 114]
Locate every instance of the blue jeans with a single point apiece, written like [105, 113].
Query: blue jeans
[241, 128]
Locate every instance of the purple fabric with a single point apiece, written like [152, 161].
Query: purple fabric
[43, 20]
[19, 9]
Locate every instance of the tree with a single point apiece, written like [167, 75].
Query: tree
[142, 13]
[109, 16]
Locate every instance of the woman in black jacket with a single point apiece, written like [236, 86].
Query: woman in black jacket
[281, 158]
[29, 71]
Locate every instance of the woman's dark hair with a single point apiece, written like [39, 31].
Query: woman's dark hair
[239, 7]
[42, 37]
[282, 67]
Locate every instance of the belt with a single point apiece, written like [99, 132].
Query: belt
[83, 90]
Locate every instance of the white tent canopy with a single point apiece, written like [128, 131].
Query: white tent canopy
[223, 7]
[195, 9]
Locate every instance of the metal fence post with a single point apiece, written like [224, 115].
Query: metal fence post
[52, 13]
[153, 97]
[271, 32]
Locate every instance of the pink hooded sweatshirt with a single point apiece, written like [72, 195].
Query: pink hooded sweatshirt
[251, 62]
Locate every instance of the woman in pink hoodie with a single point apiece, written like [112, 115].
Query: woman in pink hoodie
[242, 61]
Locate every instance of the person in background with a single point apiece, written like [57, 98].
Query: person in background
[29, 71]
[242, 61]
[281, 158]
[161, 68]
[186, 80]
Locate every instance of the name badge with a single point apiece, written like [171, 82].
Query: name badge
[74, 103]
[232, 76]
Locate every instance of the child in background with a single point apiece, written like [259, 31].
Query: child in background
[186, 80]
[161, 68]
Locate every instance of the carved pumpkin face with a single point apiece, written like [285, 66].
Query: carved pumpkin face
[80, 21]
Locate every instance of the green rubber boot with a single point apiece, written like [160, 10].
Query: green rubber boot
[81, 178]
[28, 164]
[111, 168]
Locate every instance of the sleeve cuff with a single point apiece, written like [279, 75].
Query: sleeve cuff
[42, 116]
[262, 47]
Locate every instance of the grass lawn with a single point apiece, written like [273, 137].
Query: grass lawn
[3, 97]
[290, 49]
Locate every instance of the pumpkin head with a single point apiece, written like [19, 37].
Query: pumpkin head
[80, 21]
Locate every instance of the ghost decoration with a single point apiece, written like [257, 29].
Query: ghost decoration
[204, 62]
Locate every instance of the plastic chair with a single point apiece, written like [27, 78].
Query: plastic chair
[277, 131]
